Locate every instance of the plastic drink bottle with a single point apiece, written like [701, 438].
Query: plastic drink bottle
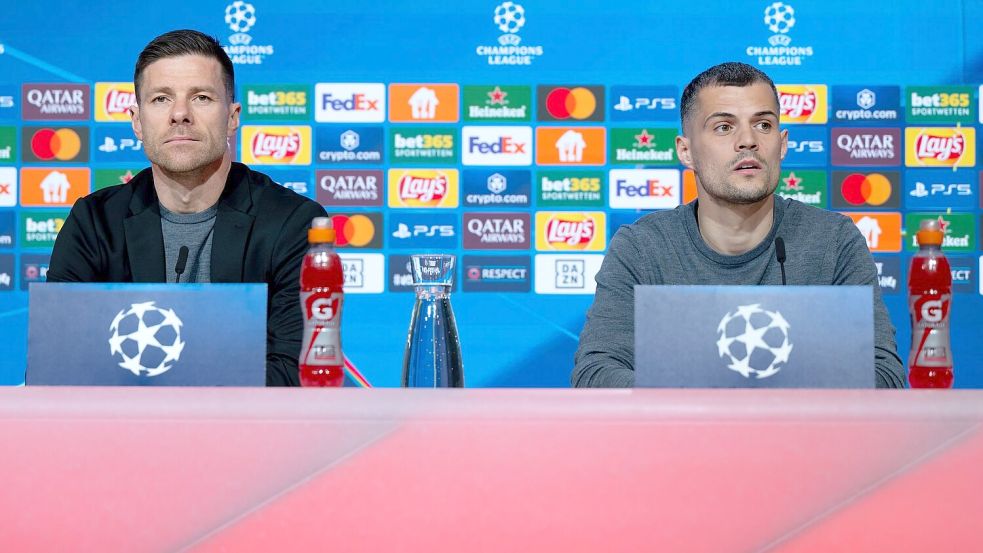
[929, 300]
[321, 299]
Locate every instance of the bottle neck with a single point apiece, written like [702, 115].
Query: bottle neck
[432, 292]
[930, 248]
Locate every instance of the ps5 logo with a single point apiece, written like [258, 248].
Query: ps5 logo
[626, 104]
[403, 231]
[953, 189]
[807, 146]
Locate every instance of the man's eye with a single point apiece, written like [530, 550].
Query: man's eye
[723, 127]
[159, 99]
[202, 98]
[765, 126]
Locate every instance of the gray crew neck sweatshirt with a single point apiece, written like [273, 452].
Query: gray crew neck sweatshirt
[666, 247]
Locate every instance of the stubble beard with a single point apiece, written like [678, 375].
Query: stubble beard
[725, 186]
[188, 159]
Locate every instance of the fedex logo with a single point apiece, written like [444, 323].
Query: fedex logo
[644, 188]
[349, 102]
[509, 146]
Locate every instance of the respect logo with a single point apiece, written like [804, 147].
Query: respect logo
[570, 231]
[423, 188]
[276, 145]
[940, 147]
[805, 103]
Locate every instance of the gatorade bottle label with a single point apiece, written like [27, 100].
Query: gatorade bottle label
[930, 336]
[322, 328]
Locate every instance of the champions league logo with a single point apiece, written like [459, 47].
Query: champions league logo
[240, 17]
[509, 18]
[147, 338]
[754, 341]
[779, 18]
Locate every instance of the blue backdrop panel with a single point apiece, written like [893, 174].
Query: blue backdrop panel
[644, 52]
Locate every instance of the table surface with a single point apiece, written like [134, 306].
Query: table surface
[141, 469]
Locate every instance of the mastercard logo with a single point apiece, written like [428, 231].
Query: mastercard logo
[580, 103]
[873, 189]
[356, 231]
[61, 144]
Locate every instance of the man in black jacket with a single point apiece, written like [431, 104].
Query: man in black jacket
[236, 224]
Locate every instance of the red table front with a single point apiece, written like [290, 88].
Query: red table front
[114, 469]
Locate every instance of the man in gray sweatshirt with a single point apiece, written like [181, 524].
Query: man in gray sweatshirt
[732, 141]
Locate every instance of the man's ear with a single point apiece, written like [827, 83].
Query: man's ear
[784, 143]
[683, 151]
[135, 120]
[235, 109]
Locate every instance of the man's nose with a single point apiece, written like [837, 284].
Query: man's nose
[180, 113]
[747, 139]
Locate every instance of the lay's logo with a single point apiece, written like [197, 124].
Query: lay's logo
[802, 103]
[276, 145]
[113, 101]
[940, 147]
[423, 188]
[570, 231]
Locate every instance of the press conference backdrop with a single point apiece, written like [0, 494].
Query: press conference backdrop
[517, 135]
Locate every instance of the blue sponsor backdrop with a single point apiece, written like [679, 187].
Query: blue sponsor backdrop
[116, 144]
[635, 50]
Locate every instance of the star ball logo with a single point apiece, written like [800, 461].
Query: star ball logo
[509, 18]
[147, 338]
[754, 341]
[779, 18]
[240, 17]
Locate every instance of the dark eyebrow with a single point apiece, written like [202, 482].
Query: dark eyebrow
[722, 114]
[766, 112]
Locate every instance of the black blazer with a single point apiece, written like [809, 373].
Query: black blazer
[260, 235]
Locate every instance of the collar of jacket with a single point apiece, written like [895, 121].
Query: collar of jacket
[233, 224]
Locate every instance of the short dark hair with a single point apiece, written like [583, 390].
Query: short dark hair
[185, 42]
[731, 73]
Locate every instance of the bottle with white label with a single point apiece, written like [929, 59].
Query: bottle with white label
[930, 301]
[321, 297]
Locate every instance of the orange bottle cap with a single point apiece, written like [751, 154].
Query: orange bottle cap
[321, 231]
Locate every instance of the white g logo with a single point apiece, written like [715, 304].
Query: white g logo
[932, 311]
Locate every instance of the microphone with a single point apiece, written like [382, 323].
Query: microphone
[780, 255]
[182, 260]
